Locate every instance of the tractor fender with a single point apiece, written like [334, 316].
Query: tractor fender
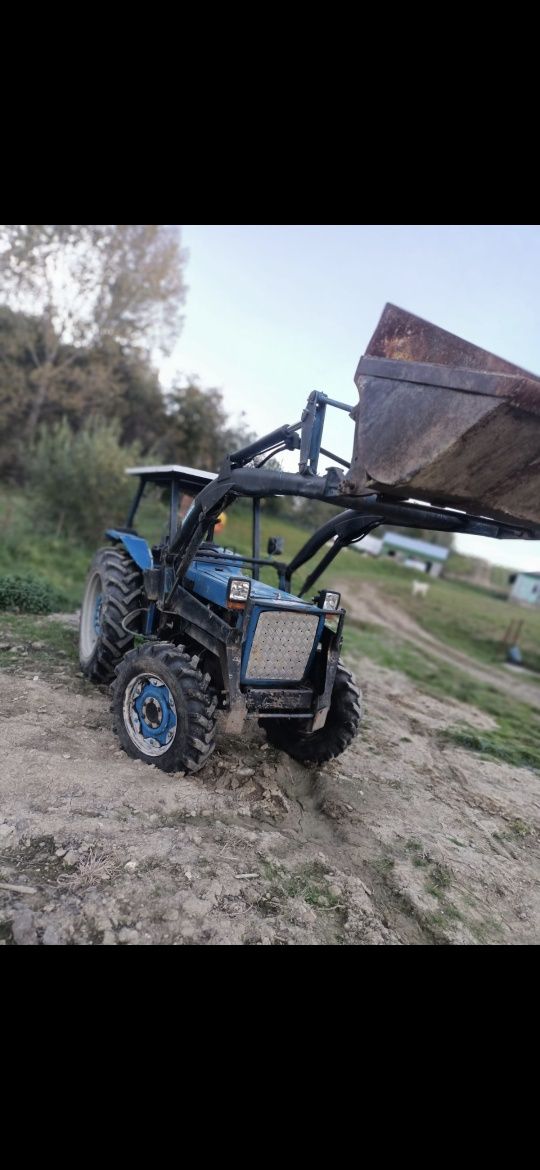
[136, 546]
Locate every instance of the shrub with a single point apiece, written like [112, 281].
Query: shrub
[29, 594]
[79, 478]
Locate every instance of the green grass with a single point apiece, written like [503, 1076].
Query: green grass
[27, 547]
[463, 615]
[509, 744]
[515, 741]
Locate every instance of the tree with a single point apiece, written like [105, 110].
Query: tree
[108, 380]
[19, 336]
[198, 429]
[112, 382]
[91, 283]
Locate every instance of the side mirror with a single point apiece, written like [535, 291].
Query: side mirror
[275, 545]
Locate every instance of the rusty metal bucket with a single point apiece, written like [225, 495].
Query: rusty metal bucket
[443, 421]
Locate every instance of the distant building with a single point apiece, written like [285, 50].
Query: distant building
[369, 544]
[415, 554]
[525, 588]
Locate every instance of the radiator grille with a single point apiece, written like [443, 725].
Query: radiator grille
[282, 645]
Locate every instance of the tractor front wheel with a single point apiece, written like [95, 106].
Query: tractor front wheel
[317, 747]
[164, 708]
[113, 592]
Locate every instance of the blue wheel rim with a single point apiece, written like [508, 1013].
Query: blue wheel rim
[150, 716]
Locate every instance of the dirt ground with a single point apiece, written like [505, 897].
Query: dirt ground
[404, 839]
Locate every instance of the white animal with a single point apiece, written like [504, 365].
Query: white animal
[420, 588]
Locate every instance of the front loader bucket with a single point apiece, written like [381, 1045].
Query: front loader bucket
[443, 421]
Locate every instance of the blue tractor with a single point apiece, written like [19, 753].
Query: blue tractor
[214, 636]
[211, 635]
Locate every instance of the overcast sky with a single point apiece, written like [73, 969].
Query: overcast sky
[273, 312]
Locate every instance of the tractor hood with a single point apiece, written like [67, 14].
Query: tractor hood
[211, 581]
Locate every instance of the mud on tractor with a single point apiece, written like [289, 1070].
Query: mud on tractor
[438, 420]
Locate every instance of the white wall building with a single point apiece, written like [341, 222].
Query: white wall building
[525, 588]
[417, 554]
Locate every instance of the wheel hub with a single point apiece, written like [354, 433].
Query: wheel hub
[150, 714]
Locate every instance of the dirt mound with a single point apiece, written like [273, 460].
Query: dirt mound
[401, 840]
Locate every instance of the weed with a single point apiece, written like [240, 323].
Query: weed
[419, 855]
[520, 828]
[309, 882]
[439, 879]
[446, 916]
[516, 829]
[383, 865]
[92, 869]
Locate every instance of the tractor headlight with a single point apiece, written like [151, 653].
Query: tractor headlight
[238, 592]
[328, 600]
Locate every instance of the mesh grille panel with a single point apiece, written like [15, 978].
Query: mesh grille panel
[282, 645]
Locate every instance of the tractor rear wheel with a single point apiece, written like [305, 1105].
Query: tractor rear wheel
[342, 721]
[113, 592]
[164, 708]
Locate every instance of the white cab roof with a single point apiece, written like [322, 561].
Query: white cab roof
[190, 476]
